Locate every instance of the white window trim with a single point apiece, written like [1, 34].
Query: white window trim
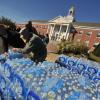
[78, 40]
[80, 32]
[87, 43]
[90, 33]
[96, 43]
[97, 36]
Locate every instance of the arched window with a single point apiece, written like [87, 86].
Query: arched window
[71, 12]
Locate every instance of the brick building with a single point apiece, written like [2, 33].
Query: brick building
[88, 33]
[40, 25]
[66, 27]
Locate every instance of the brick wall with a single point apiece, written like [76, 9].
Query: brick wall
[81, 34]
[86, 38]
[41, 28]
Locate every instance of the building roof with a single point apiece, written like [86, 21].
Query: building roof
[86, 24]
[40, 21]
[62, 19]
[35, 21]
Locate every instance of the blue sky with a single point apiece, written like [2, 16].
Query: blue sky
[23, 10]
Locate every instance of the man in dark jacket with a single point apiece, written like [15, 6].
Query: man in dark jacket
[46, 39]
[36, 47]
[28, 29]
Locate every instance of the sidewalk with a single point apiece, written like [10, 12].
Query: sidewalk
[52, 47]
[52, 50]
[51, 57]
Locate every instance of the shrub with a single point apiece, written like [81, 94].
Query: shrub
[70, 47]
[11, 25]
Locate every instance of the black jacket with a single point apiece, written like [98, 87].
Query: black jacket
[36, 46]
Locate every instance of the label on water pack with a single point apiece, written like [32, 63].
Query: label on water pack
[90, 72]
[81, 66]
[96, 78]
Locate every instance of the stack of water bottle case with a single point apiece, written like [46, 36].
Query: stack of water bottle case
[69, 78]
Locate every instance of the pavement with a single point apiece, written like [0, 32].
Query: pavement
[52, 47]
[51, 57]
[52, 51]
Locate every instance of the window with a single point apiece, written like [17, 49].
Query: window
[64, 28]
[80, 32]
[98, 34]
[78, 40]
[43, 27]
[37, 26]
[89, 33]
[71, 12]
[40, 26]
[95, 44]
[57, 27]
[87, 43]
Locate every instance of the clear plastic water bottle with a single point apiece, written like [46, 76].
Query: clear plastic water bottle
[51, 95]
[96, 78]
[84, 96]
[93, 64]
[62, 58]
[8, 94]
[90, 72]
[2, 83]
[34, 84]
[7, 70]
[80, 66]
[2, 69]
[38, 88]
[74, 95]
[13, 55]
[17, 88]
[84, 82]
[32, 96]
[3, 58]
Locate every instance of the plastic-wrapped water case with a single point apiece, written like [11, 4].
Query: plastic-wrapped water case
[68, 79]
[80, 66]
[13, 55]
[2, 83]
[2, 58]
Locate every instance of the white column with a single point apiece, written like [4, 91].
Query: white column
[52, 30]
[67, 36]
[48, 30]
[59, 33]
[67, 32]
[50, 26]
[60, 29]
